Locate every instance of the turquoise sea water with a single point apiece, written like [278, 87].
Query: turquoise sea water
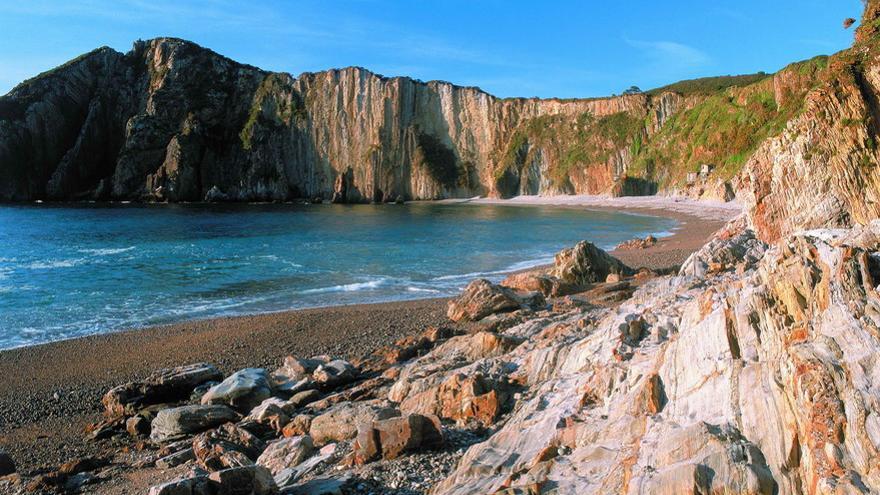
[68, 271]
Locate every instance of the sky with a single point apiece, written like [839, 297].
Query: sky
[507, 47]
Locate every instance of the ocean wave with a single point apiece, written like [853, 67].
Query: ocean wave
[52, 264]
[107, 251]
[522, 265]
[353, 287]
[423, 290]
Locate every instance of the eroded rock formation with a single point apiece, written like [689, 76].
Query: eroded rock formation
[172, 121]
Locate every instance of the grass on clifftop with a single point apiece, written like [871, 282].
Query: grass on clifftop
[709, 85]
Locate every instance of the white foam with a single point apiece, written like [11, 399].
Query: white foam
[52, 264]
[354, 287]
[422, 290]
[522, 265]
[107, 251]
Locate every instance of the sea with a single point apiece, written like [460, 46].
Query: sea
[79, 269]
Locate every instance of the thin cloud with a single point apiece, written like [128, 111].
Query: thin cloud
[671, 53]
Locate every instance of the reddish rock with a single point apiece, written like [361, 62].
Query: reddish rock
[244, 480]
[138, 426]
[638, 243]
[227, 446]
[653, 395]
[299, 425]
[462, 397]
[393, 437]
[168, 385]
[547, 285]
[482, 298]
[81, 465]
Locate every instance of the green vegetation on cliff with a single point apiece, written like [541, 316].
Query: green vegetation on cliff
[569, 144]
[275, 104]
[710, 85]
[722, 129]
[719, 121]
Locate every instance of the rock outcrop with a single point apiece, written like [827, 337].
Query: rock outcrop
[172, 121]
[821, 172]
[242, 390]
[160, 387]
[179, 421]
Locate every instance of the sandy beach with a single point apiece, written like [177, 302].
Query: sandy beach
[697, 220]
[51, 392]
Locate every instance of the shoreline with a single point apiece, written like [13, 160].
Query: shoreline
[697, 221]
[52, 391]
[702, 218]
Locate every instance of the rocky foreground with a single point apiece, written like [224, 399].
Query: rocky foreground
[750, 371]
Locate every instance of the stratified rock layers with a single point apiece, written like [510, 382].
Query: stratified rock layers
[172, 121]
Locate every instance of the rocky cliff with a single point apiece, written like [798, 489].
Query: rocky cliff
[171, 121]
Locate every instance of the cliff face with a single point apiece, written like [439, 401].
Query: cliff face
[171, 121]
[822, 170]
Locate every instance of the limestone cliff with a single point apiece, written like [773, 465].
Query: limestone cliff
[822, 170]
[171, 121]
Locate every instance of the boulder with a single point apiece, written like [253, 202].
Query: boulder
[340, 422]
[461, 398]
[215, 195]
[227, 446]
[186, 420]
[198, 485]
[299, 425]
[586, 264]
[180, 457]
[482, 298]
[244, 480]
[243, 390]
[637, 243]
[547, 285]
[168, 385]
[295, 375]
[270, 415]
[335, 373]
[303, 399]
[137, 426]
[7, 466]
[286, 453]
[391, 438]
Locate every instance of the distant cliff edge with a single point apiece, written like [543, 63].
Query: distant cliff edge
[172, 121]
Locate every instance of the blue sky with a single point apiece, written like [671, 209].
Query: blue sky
[509, 48]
